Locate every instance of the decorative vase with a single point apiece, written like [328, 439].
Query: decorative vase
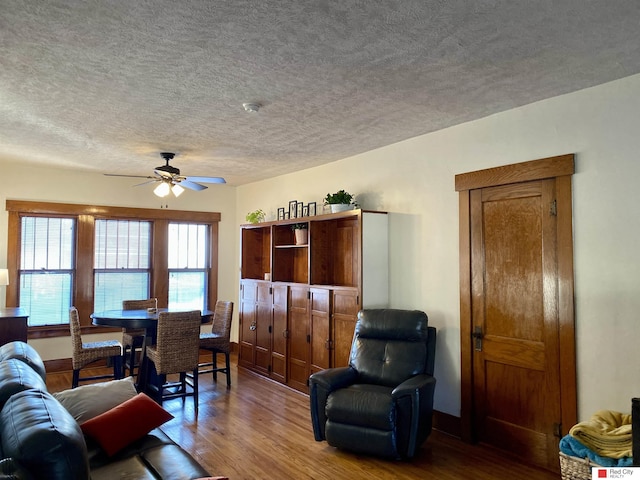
[340, 207]
[302, 236]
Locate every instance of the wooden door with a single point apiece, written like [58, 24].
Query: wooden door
[299, 337]
[279, 334]
[343, 321]
[320, 332]
[247, 316]
[263, 321]
[515, 321]
[516, 312]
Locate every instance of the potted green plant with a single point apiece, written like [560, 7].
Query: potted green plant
[256, 216]
[339, 201]
[301, 232]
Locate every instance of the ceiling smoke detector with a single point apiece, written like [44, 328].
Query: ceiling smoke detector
[251, 107]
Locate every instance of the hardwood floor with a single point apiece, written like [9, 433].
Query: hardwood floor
[262, 430]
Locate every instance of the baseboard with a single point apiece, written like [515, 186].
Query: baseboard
[446, 423]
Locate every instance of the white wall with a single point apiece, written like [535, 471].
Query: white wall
[20, 182]
[414, 181]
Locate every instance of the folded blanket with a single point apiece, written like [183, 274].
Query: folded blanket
[571, 446]
[607, 433]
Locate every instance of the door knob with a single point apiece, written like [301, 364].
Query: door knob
[477, 338]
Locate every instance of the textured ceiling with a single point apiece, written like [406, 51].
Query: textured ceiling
[104, 86]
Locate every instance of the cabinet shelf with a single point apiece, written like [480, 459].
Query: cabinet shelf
[292, 246]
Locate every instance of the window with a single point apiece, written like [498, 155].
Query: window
[188, 266]
[46, 269]
[122, 262]
[93, 257]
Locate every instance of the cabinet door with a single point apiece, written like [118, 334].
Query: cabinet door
[298, 337]
[320, 332]
[247, 318]
[279, 334]
[264, 304]
[345, 313]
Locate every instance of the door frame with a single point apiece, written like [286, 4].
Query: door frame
[561, 168]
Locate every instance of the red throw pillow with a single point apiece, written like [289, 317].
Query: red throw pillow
[125, 423]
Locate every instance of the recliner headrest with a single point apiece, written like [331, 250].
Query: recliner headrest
[392, 324]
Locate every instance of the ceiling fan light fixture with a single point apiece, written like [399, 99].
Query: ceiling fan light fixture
[177, 189]
[162, 190]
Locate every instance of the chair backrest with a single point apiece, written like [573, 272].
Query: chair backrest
[139, 304]
[178, 341]
[222, 319]
[74, 327]
[390, 345]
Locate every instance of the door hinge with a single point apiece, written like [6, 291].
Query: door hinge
[308, 338]
[557, 430]
[553, 210]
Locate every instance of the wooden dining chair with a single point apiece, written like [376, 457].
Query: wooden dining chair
[133, 338]
[85, 353]
[176, 352]
[218, 341]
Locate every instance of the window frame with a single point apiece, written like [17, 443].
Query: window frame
[83, 287]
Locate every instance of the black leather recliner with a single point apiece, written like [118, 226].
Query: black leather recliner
[382, 403]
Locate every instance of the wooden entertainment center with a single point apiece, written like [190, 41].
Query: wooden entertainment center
[299, 303]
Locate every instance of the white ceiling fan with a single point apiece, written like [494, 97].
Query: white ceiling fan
[171, 180]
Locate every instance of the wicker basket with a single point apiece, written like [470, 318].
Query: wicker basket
[574, 468]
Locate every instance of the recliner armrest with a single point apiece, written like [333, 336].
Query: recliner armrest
[334, 378]
[413, 385]
[414, 403]
[321, 384]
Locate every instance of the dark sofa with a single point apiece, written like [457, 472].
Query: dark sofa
[40, 439]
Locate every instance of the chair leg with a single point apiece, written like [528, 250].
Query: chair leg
[161, 379]
[75, 379]
[132, 361]
[195, 390]
[118, 369]
[227, 369]
[214, 362]
[183, 386]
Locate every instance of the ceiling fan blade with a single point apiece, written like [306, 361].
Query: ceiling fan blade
[129, 176]
[153, 180]
[207, 179]
[191, 185]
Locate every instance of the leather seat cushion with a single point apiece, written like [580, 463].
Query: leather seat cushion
[362, 405]
[153, 456]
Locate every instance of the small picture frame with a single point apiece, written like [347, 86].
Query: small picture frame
[281, 213]
[286, 215]
[311, 209]
[300, 210]
[305, 211]
[293, 209]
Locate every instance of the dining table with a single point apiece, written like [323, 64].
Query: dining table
[140, 319]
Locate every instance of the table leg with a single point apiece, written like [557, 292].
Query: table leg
[143, 369]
